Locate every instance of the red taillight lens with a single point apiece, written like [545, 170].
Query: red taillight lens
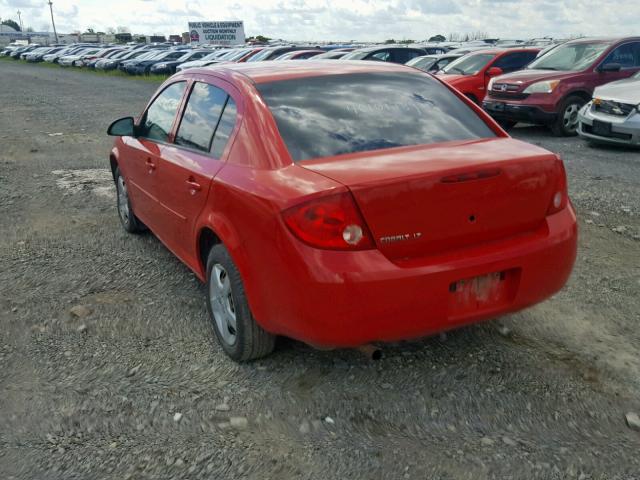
[333, 222]
[560, 193]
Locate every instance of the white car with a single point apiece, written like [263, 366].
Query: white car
[613, 116]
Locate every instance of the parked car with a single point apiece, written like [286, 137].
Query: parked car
[143, 67]
[213, 57]
[114, 62]
[432, 63]
[149, 55]
[331, 55]
[271, 53]
[552, 89]
[300, 55]
[349, 221]
[393, 54]
[471, 73]
[15, 54]
[613, 116]
[70, 60]
[168, 67]
[38, 55]
[88, 58]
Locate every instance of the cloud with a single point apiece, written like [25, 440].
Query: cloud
[367, 20]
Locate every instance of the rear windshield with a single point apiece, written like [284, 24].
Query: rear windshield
[340, 114]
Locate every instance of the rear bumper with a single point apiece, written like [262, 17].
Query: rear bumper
[344, 299]
[503, 110]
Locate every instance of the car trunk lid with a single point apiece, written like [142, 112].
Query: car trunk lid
[425, 200]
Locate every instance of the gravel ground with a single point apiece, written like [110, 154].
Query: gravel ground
[109, 370]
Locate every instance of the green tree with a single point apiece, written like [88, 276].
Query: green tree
[389, 41]
[11, 23]
[437, 38]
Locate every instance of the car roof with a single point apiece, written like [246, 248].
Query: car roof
[263, 72]
[385, 47]
[608, 40]
[500, 51]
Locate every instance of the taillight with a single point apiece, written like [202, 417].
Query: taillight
[332, 222]
[560, 192]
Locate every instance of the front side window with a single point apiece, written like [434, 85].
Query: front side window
[514, 61]
[158, 119]
[570, 57]
[383, 56]
[201, 117]
[627, 55]
[367, 111]
[469, 64]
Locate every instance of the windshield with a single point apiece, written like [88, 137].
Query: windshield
[469, 64]
[571, 57]
[367, 111]
[421, 62]
[261, 55]
[238, 54]
[356, 55]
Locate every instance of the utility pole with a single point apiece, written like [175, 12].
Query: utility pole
[20, 20]
[52, 22]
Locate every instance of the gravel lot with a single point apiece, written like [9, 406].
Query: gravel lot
[109, 369]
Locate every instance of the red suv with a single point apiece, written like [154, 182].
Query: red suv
[552, 89]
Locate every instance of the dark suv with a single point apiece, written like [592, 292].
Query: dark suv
[553, 88]
[385, 54]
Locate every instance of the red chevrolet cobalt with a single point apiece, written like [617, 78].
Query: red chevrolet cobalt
[341, 203]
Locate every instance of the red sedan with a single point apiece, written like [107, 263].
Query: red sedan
[342, 203]
[471, 74]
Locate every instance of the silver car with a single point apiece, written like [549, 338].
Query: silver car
[613, 116]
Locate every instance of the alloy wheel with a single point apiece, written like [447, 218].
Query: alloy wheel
[570, 117]
[222, 304]
[123, 200]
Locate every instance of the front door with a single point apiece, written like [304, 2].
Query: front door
[189, 164]
[142, 168]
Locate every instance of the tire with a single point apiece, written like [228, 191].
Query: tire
[567, 122]
[129, 221]
[238, 334]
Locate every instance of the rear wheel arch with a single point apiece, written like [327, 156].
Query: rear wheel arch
[207, 239]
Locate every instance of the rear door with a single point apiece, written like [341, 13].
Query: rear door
[141, 160]
[196, 155]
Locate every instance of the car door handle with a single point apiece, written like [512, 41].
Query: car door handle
[193, 185]
[150, 165]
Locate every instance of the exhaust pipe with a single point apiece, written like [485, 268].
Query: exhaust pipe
[370, 351]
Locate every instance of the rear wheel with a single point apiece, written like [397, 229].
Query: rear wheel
[567, 122]
[237, 331]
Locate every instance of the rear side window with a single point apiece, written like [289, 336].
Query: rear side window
[403, 55]
[201, 117]
[340, 114]
[225, 127]
[160, 115]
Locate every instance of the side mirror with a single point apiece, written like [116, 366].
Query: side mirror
[123, 127]
[494, 72]
[610, 67]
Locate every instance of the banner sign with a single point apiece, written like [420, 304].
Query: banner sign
[217, 33]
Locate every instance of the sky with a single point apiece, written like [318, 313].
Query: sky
[364, 20]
